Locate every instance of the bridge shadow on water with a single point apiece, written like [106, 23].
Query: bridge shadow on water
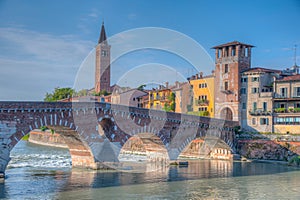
[197, 169]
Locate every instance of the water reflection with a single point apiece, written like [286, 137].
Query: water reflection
[215, 179]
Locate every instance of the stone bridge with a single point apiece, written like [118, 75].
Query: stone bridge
[96, 132]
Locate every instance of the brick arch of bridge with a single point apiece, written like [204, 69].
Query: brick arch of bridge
[147, 144]
[18, 123]
[175, 134]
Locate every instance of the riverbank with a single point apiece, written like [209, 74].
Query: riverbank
[46, 138]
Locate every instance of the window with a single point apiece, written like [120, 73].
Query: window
[200, 85]
[202, 109]
[264, 121]
[296, 91]
[244, 106]
[283, 92]
[133, 99]
[243, 90]
[233, 51]
[255, 90]
[226, 85]
[253, 121]
[226, 68]
[297, 105]
[265, 106]
[255, 79]
[254, 106]
[282, 105]
[103, 53]
[244, 80]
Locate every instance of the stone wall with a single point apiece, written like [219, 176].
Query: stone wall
[47, 138]
[267, 150]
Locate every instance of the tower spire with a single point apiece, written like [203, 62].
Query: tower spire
[102, 37]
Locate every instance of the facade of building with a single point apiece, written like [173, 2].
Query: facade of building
[129, 98]
[102, 63]
[203, 94]
[161, 98]
[257, 99]
[230, 58]
[183, 97]
[287, 104]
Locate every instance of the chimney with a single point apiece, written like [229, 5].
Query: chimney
[213, 73]
[167, 85]
[197, 76]
[201, 74]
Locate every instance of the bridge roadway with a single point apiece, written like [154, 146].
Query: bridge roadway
[95, 132]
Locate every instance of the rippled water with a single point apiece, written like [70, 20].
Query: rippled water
[37, 172]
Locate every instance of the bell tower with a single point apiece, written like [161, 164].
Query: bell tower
[231, 58]
[102, 64]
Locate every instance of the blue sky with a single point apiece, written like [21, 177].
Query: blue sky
[43, 43]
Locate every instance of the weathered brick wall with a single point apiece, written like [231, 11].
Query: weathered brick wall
[100, 130]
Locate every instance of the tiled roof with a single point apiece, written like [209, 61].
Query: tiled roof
[232, 44]
[260, 69]
[289, 78]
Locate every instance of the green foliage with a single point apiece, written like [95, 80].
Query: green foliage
[295, 161]
[103, 92]
[81, 93]
[52, 131]
[279, 110]
[44, 128]
[199, 113]
[25, 137]
[141, 87]
[170, 106]
[296, 109]
[58, 94]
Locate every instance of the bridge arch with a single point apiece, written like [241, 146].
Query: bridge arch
[149, 144]
[102, 130]
[61, 122]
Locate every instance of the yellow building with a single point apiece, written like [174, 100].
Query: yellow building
[203, 92]
[162, 99]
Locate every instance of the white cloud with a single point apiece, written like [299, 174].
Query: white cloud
[33, 63]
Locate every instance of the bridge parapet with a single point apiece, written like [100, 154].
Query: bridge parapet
[103, 127]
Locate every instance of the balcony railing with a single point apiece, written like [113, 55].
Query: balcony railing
[201, 102]
[287, 110]
[259, 112]
[278, 96]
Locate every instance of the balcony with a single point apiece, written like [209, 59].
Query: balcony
[287, 110]
[201, 102]
[266, 94]
[260, 112]
[227, 91]
[278, 96]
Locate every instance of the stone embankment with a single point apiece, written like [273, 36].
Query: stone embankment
[269, 147]
[47, 138]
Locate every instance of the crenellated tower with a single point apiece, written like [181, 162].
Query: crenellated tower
[230, 60]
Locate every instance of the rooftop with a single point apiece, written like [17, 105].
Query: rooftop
[260, 69]
[289, 78]
[233, 43]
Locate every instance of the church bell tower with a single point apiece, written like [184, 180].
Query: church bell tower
[102, 65]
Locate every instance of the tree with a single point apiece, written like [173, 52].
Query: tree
[103, 92]
[141, 87]
[81, 93]
[170, 105]
[58, 94]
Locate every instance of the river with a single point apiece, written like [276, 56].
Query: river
[38, 172]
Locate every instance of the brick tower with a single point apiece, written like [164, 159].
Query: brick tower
[231, 59]
[102, 71]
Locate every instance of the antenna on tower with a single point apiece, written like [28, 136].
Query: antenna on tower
[295, 54]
